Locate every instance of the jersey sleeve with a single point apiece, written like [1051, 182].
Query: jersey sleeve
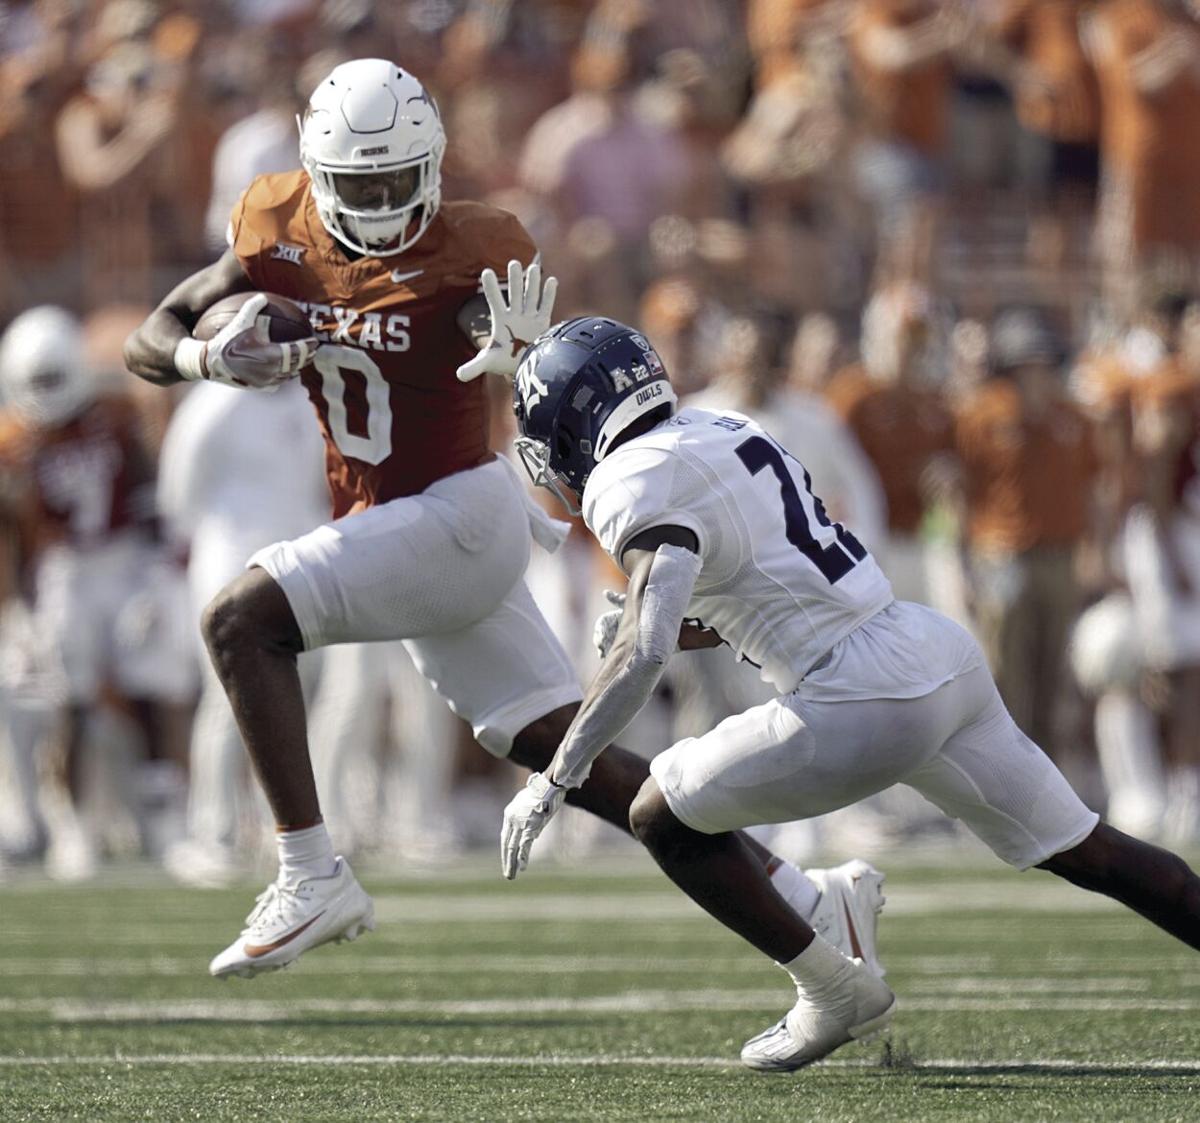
[260, 219]
[636, 491]
[245, 242]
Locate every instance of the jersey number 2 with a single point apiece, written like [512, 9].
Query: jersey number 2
[333, 362]
[835, 560]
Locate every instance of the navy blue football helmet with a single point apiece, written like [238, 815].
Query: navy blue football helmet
[577, 387]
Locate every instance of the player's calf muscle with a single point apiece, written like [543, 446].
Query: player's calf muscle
[1154, 882]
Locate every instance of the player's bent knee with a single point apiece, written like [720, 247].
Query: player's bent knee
[653, 823]
[251, 611]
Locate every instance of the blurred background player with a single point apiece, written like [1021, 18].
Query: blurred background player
[1162, 554]
[225, 491]
[890, 403]
[105, 600]
[1014, 435]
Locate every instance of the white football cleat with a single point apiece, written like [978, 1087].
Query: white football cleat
[856, 1009]
[848, 909]
[289, 920]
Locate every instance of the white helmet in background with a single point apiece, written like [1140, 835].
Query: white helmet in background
[1105, 648]
[43, 371]
[372, 141]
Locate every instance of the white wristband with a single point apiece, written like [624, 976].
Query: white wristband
[189, 359]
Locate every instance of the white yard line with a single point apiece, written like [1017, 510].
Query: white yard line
[458, 904]
[259, 1010]
[586, 1060]
[388, 965]
[938, 981]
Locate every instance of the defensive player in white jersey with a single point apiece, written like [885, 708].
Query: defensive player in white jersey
[716, 524]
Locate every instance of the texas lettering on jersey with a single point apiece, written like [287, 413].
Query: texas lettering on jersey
[373, 331]
[394, 416]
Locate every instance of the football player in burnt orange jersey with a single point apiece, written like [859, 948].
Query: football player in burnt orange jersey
[105, 604]
[431, 533]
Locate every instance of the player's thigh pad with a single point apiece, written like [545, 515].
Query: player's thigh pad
[500, 673]
[794, 758]
[426, 564]
[77, 592]
[1002, 786]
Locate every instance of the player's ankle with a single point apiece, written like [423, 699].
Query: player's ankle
[305, 853]
[819, 967]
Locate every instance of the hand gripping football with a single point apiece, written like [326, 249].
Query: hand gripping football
[288, 321]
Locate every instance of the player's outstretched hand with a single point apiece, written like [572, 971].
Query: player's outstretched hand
[604, 631]
[525, 818]
[516, 322]
[242, 354]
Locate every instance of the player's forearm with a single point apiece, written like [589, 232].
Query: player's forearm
[150, 350]
[624, 685]
[660, 587]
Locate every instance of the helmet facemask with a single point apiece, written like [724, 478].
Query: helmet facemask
[390, 226]
[49, 396]
[577, 389]
[535, 456]
[43, 371]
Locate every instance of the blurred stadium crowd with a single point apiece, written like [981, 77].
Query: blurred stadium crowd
[947, 252]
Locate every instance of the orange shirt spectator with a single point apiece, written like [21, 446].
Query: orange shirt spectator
[899, 50]
[1026, 476]
[1147, 59]
[39, 229]
[774, 29]
[1056, 93]
[901, 428]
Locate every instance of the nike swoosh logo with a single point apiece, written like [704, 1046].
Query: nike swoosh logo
[256, 950]
[855, 946]
[400, 278]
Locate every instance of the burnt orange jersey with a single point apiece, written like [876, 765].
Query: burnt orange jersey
[394, 416]
[1028, 480]
[901, 429]
[83, 481]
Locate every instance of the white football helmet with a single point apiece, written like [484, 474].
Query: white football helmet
[43, 371]
[1105, 648]
[372, 141]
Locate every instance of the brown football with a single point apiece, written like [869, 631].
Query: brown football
[288, 321]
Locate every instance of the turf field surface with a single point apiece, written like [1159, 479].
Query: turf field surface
[594, 993]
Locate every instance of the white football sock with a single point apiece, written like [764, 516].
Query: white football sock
[304, 854]
[795, 887]
[818, 968]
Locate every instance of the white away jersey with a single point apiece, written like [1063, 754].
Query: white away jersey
[780, 582]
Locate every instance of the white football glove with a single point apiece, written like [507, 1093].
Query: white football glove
[525, 818]
[242, 354]
[604, 631]
[515, 324]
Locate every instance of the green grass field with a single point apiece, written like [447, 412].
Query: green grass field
[597, 994]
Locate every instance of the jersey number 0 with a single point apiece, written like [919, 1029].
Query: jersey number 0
[333, 362]
[835, 560]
